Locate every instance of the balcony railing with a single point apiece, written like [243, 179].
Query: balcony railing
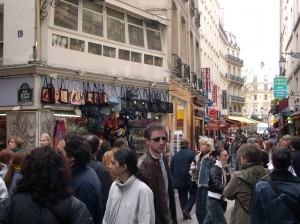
[194, 79]
[187, 72]
[177, 66]
[192, 7]
[237, 99]
[234, 59]
[197, 17]
[234, 78]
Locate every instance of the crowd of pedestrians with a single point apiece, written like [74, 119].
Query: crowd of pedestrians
[85, 181]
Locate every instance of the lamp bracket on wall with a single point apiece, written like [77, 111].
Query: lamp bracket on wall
[52, 3]
[293, 54]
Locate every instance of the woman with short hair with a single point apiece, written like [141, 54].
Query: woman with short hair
[15, 143]
[240, 188]
[45, 140]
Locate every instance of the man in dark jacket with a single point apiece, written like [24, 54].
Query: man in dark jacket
[99, 168]
[295, 146]
[85, 183]
[155, 170]
[267, 206]
[180, 168]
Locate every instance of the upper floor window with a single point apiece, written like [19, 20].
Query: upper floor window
[265, 87]
[115, 25]
[92, 16]
[153, 37]
[255, 97]
[255, 78]
[266, 97]
[255, 88]
[135, 31]
[66, 14]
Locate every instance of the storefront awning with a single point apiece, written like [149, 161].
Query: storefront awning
[295, 114]
[243, 120]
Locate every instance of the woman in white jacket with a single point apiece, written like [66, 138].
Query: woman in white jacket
[130, 200]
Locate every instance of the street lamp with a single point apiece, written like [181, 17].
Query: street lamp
[282, 62]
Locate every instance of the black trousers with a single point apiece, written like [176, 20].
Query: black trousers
[187, 198]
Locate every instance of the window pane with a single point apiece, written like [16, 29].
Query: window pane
[92, 6]
[95, 48]
[152, 26]
[134, 20]
[136, 57]
[115, 30]
[75, 2]
[92, 23]
[77, 45]
[124, 55]
[153, 40]
[136, 36]
[148, 59]
[66, 16]
[1, 26]
[60, 41]
[114, 13]
[1, 50]
[158, 61]
[109, 51]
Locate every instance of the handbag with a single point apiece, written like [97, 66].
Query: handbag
[56, 90]
[88, 94]
[294, 208]
[75, 94]
[96, 95]
[123, 99]
[48, 92]
[63, 93]
[112, 98]
[153, 105]
[142, 105]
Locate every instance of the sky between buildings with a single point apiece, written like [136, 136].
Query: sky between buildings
[255, 23]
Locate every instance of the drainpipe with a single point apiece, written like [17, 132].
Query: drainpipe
[37, 41]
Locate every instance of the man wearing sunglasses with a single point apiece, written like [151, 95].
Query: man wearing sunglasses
[155, 170]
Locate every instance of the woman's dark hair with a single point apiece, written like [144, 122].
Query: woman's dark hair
[281, 158]
[46, 176]
[105, 146]
[250, 152]
[119, 142]
[129, 158]
[218, 152]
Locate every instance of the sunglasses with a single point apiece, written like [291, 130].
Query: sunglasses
[158, 139]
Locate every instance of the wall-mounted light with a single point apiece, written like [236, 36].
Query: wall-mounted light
[153, 84]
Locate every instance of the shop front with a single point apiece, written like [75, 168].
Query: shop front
[54, 101]
[295, 117]
[197, 128]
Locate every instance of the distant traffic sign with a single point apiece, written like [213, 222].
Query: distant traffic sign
[280, 87]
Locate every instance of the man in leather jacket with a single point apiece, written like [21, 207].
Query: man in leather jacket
[156, 173]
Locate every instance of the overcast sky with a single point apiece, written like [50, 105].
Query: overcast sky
[255, 23]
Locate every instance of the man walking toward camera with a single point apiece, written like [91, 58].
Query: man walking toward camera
[156, 173]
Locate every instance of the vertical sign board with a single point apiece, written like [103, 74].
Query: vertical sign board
[280, 87]
[206, 78]
[224, 99]
[215, 95]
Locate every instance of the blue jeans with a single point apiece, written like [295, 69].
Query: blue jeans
[201, 199]
[215, 214]
[233, 160]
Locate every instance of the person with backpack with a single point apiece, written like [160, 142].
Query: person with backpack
[240, 187]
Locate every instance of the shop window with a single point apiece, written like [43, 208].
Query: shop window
[148, 59]
[109, 52]
[136, 57]
[60, 41]
[115, 25]
[95, 48]
[180, 115]
[135, 31]
[77, 45]
[66, 14]
[153, 37]
[92, 18]
[124, 55]
[158, 61]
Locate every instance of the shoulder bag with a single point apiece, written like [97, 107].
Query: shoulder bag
[294, 208]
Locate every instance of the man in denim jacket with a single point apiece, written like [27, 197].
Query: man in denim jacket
[204, 162]
[266, 206]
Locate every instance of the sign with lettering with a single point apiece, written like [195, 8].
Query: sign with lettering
[215, 95]
[206, 78]
[199, 101]
[280, 87]
[224, 99]
[25, 94]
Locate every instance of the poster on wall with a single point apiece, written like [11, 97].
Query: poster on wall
[224, 99]
[215, 95]
[206, 79]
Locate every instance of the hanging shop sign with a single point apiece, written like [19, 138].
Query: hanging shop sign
[224, 99]
[199, 113]
[212, 112]
[215, 95]
[199, 101]
[206, 77]
[280, 87]
[25, 94]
